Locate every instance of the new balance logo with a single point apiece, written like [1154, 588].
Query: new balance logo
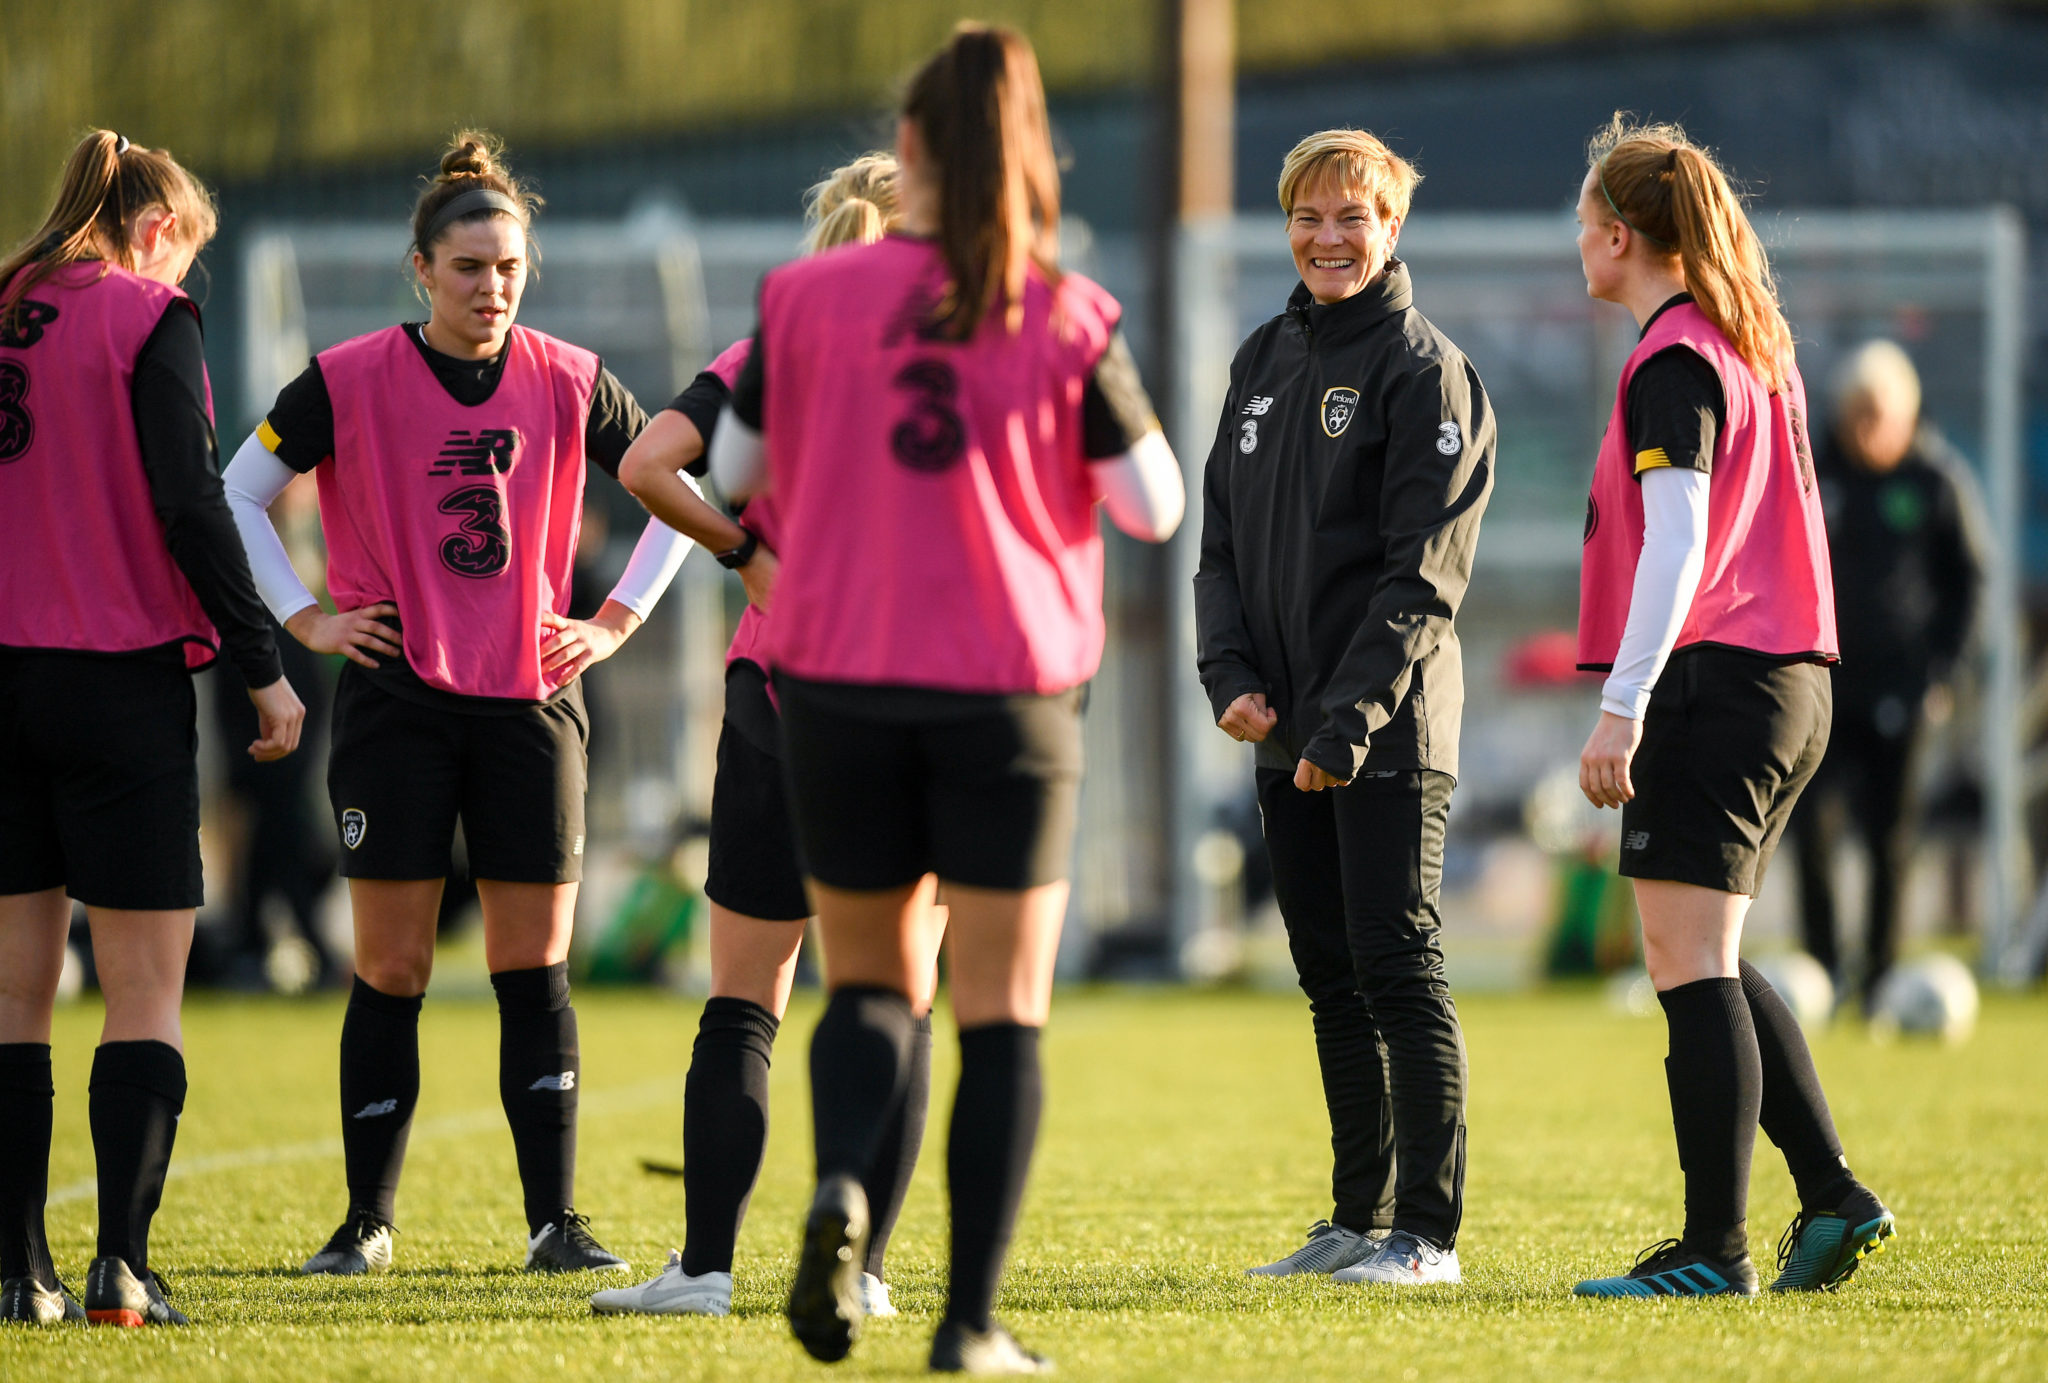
[376, 1110]
[1258, 405]
[486, 452]
[1636, 840]
[565, 1081]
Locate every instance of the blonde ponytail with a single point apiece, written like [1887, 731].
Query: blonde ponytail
[1671, 193]
[855, 205]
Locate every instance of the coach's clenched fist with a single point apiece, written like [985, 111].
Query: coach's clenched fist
[1248, 719]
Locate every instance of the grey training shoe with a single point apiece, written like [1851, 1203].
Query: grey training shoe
[874, 1298]
[957, 1349]
[567, 1246]
[361, 1245]
[1329, 1247]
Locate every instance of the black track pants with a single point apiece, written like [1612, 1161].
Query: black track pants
[1357, 872]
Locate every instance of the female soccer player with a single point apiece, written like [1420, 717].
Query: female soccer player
[935, 415]
[120, 563]
[756, 883]
[1706, 596]
[451, 457]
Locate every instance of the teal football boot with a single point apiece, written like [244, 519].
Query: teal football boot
[1822, 1249]
[1670, 1269]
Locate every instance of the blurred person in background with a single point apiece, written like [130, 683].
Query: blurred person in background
[936, 416]
[755, 885]
[1706, 596]
[1341, 509]
[1905, 540]
[122, 576]
[452, 456]
[284, 856]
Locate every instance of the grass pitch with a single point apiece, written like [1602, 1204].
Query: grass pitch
[1184, 1140]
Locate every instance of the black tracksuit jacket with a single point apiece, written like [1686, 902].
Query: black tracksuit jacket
[1341, 511]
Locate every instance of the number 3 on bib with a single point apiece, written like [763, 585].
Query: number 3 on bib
[933, 438]
[481, 546]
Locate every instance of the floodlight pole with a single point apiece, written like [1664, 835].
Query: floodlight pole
[1197, 44]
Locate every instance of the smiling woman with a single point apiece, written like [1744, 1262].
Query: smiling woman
[1346, 195]
[451, 457]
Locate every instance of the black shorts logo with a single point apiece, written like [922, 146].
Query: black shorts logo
[17, 428]
[354, 826]
[1339, 405]
[488, 451]
[1592, 518]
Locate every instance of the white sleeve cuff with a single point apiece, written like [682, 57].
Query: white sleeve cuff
[656, 559]
[1142, 489]
[254, 480]
[738, 460]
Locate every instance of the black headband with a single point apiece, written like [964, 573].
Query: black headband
[475, 200]
[1600, 169]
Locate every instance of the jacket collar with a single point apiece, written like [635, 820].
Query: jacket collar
[1386, 295]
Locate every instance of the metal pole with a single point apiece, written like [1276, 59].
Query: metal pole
[2008, 866]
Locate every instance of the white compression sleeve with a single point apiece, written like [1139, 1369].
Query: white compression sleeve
[254, 480]
[1667, 577]
[1142, 489]
[738, 460]
[656, 559]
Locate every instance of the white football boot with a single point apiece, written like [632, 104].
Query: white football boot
[1404, 1259]
[671, 1292]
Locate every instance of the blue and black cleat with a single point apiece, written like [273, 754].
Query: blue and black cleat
[1670, 1269]
[1822, 1249]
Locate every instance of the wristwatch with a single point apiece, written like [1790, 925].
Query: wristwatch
[732, 559]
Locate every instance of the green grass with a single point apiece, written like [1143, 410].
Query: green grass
[1184, 1140]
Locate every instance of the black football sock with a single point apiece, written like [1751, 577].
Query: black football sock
[988, 1154]
[1795, 1111]
[28, 1098]
[138, 1092]
[380, 1088]
[538, 1072]
[888, 1183]
[1716, 1080]
[860, 1058]
[725, 1128]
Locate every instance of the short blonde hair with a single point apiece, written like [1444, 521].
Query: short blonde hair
[1879, 372]
[855, 205]
[1358, 161]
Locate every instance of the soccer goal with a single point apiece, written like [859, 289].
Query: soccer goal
[1948, 286]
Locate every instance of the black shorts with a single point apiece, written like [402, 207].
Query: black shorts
[891, 783]
[401, 772]
[1729, 742]
[755, 870]
[99, 779]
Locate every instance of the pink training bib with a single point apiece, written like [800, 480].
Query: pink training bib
[933, 495]
[84, 565]
[464, 518]
[750, 639]
[1767, 586]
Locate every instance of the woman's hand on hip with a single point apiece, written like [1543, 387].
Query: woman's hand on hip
[1604, 762]
[1248, 719]
[347, 632]
[569, 646]
[758, 576]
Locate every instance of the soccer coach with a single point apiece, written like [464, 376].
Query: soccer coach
[1341, 510]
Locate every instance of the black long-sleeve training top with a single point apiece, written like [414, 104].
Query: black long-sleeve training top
[181, 459]
[1341, 510]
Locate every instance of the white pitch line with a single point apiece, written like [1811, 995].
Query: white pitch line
[600, 1104]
